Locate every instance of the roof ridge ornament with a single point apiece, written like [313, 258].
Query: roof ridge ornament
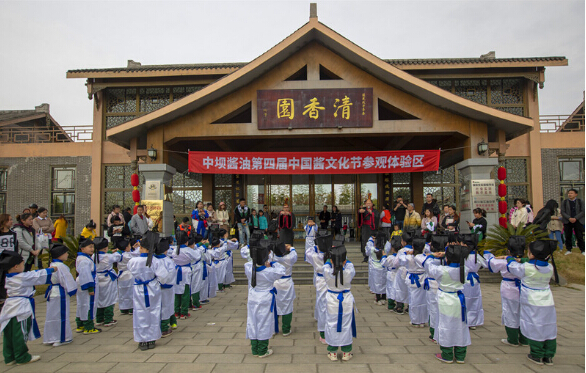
[489, 56]
[133, 64]
[312, 10]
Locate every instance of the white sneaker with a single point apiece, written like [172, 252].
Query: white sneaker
[57, 344]
[33, 359]
[583, 253]
[333, 356]
[323, 341]
[286, 334]
[269, 353]
[568, 253]
[505, 341]
[347, 356]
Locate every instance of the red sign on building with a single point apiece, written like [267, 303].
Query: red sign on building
[314, 108]
[276, 163]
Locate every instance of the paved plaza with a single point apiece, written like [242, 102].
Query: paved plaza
[213, 340]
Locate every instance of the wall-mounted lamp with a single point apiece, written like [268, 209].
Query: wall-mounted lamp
[152, 153]
[482, 147]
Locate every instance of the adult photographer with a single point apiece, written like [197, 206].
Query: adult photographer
[400, 209]
[368, 220]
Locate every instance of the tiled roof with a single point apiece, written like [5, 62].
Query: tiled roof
[395, 62]
[436, 61]
[6, 115]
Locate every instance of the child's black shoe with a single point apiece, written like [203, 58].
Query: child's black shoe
[534, 360]
[547, 361]
[143, 346]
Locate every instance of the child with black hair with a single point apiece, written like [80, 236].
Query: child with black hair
[415, 280]
[107, 281]
[129, 250]
[316, 257]
[510, 290]
[538, 315]
[87, 288]
[118, 230]
[391, 249]
[168, 318]
[198, 269]
[183, 257]
[57, 326]
[401, 288]
[396, 230]
[261, 319]
[340, 321]
[286, 256]
[472, 291]
[310, 233]
[17, 319]
[377, 278]
[452, 333]
[185, 226]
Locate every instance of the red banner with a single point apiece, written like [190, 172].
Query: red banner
[288, 163]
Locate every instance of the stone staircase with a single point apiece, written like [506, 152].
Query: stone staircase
[303, 271]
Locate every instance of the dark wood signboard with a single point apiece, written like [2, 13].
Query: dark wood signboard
[314, 108]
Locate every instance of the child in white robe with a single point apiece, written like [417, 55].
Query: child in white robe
[374, 249]
[472, 290]
[147, 272]
[197, 271]
[262, 315]
[125, 279]
[340, 320]
[310, 234]
[168, 319]
[286, 256]
[183, 258]
[401, 288]
[415, 281]
[452, 333]
[17, 318]
[438, 244]
[107, 282]
[315, 257]
[538, 315]
[87, 288]
[57, 326]
[391, 249]
[511, 291]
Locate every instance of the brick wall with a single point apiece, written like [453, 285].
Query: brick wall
[551, 172]
[29, 181]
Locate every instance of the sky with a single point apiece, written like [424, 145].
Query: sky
[42, 40]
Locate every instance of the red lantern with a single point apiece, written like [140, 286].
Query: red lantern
[136, 195]
[502, 190]
[503, 207]
[502, 173]
[135, 207]
[503, 222]
[134, 180]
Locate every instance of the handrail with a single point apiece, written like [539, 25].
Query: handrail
[32, 135]
[561, 123]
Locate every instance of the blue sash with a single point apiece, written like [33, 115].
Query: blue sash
[110, 273]
[414, 277]
[527, 287]
[426, 283]
[274, 309]
[205, 271]
[515, 280]
[147, 303]
[282, 277]
[36, 331]
[462, 301]
[180, 272]
[340, 298]
[62, 305]
[473, 276]
[319, 274]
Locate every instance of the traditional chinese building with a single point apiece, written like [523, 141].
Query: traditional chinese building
[317, 92]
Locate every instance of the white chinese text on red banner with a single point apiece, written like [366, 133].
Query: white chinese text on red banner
[287, 163]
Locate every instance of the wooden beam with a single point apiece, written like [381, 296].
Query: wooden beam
[398, 144]
[223, 145]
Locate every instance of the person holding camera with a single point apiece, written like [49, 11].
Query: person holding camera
[400, 209]
[368, 220]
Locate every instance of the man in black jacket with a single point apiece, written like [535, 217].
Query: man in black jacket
[431, 205]
[242, 217]
[573, 219]
[324, 218]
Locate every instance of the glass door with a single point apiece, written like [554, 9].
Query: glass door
[279, 187]
[300, 199]
[344, 192]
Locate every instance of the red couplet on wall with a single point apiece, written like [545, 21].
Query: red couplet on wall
[287, 163]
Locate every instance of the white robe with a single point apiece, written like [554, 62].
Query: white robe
[316, 259]
[125, 281]
[431, 286]
[452, 329]
[86, 279]
[20, 302]
[510, 293]
[472, 290]
[183, 262]
[167, 286]
[197, 271]
[377, 276]
[391, 273]
[401, 289]
[310, 233]
[210, 285]
[107, 279]
[261, 305]
[285, 287]
[336, 296]
[538, 316]
[415, 280]
[62, 288]
[146, 318]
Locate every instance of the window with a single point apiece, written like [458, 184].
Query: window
[3, 188]
[187, 190]
[63, 196]
[223, 191]
[442, 185]
[571, 176]
[117, 187]
[517, 179]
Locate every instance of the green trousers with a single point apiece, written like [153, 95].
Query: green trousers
[14, 348]
[514, 336]
[126, 312]
[431, 332]
[286, 323]
[221, 286]
[541, 349]
[390, 304]
[165, 325]
[344, 348]
[173, 320]
[105, 315]
[259, 348]
[322, 334]
[86, 324]
[195, 300]
[448, 353]
[182, 302]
